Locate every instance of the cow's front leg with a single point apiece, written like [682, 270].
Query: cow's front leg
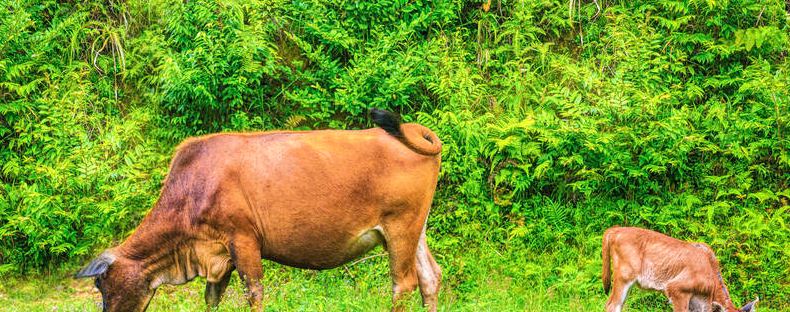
[215, 290]
[246, 255]
[680, 299]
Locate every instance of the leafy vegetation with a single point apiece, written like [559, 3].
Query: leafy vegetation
[559, 119]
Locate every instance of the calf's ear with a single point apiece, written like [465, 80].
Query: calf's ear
[98, 266]
[751, 306]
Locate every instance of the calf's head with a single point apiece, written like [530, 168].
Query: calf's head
[120, 281]
[749, 307]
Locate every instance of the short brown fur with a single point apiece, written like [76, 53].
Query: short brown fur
[687, 273]
[308, 199]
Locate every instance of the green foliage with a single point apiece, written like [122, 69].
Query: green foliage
[76, 165]
[559, 119]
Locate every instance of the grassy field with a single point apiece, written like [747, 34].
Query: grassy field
[474, 281]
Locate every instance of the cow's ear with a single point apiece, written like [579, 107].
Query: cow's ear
[98, 266]
[751, 306]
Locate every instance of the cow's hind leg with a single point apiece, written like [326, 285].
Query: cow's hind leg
[429, 275]
[402, 248]
[246, 255]
[623, 277]
[215, 290]
[620, 289]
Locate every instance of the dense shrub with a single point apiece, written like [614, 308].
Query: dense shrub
[559, 118]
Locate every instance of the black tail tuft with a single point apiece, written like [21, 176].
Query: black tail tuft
[387, 120]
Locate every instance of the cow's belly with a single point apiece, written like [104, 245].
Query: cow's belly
[648, 280]
[324, 251]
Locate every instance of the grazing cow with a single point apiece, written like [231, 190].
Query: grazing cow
[687, 273]
[307, 199]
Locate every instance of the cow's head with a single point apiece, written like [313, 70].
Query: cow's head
[121, 282]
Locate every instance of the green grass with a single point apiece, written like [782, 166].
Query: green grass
[479, 279]
[292, 290]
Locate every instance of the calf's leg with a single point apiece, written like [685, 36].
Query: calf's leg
[624, 274]
[680, 299]
[620, 288]
[429, 275]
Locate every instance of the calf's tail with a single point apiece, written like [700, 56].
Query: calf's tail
[606, 275]
[417, 137]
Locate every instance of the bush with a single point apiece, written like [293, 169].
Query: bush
[558, 121]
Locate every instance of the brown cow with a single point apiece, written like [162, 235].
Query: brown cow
[307, 199]
[687, 273]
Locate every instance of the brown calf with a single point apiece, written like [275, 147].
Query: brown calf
[307, 199]
[687, 273]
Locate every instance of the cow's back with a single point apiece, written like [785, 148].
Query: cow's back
[658, 259]
[300, 193]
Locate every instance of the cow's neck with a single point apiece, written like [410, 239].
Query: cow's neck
[722, 295]
[172, 251]
[178, 266]
[161, 245]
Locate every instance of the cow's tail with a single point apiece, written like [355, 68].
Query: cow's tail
[417, 137]
[606, 273]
